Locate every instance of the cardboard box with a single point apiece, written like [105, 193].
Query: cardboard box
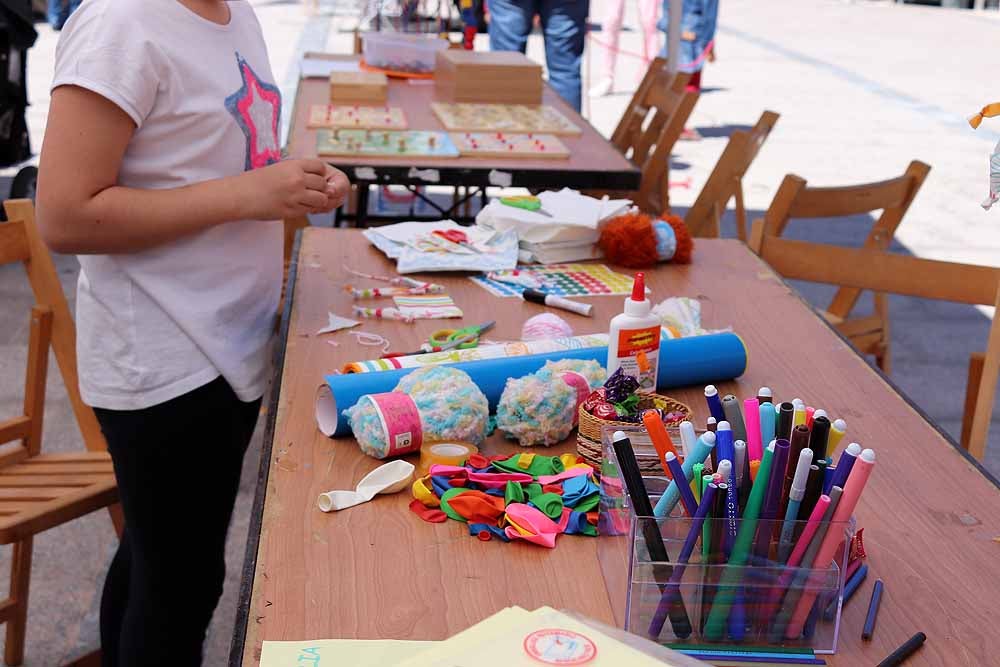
[498, 77]
[368, 87]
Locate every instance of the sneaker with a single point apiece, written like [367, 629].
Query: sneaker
[602, 87]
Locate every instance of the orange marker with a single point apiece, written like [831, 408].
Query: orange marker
[754, 466]
[661, 439]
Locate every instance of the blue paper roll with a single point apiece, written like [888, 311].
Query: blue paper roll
[683, 362]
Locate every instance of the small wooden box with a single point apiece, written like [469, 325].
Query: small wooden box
[499, 77]
[369, 87]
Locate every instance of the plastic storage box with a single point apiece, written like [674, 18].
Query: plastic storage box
[401, 52]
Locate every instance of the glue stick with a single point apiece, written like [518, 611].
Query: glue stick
[634, 338]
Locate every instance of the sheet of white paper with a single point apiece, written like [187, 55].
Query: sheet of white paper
[321, 68]
[336, 323]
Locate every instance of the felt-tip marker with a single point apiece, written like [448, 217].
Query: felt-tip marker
[538, 296]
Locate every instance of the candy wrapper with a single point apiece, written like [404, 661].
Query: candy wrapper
[620, 386]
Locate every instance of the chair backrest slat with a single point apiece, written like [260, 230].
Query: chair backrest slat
[850, 200]
[13, 243]
[702, 218]
[866, 268]
[47, 289]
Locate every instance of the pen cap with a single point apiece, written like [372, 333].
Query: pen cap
[801, 474]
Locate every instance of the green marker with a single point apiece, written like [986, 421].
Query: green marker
[706, 529]
[697, 469]
[715, 628]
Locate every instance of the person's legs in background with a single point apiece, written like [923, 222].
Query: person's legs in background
[57, 14]
[564, 23]
[611, 29]
[648, 10]
[510, 24]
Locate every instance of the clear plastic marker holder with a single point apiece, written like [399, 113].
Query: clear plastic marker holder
[765, 596]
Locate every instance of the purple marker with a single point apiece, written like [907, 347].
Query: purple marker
[772, 498]
[672, 588]
[714, 403]
[844, 465]
[677, 472]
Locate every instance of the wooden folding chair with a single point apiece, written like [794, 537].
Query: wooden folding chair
[40, 491]
[873, 268]
[794, 199]
[648, 130]
[704, 218]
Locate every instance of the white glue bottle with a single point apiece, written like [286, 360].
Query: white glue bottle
[634, 338]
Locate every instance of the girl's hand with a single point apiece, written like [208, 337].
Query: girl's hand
[293, 188]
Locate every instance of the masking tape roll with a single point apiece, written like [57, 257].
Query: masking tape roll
[445, 453]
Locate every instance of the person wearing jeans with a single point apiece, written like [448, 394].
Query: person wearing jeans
[59, 11]
[564, 27]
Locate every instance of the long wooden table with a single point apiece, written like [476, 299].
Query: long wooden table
[593, 163]
[931, 515]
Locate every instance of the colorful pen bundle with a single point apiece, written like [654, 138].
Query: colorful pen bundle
[773, 520]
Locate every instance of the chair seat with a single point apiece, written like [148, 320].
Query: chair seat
[48, 490]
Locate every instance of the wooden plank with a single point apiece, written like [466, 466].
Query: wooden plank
[982, 416]
[24, 481]
[83, 501]
[882, 272]
[16, 428]
[35, 492]
[38, 368]
[342, 575]
[66, 457]
[27, 467]
[850, 200]
[13, 242]
[976, 362]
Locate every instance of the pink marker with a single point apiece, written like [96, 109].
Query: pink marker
[751, 418]
[810, 415]
[774, 595]
[860, 473]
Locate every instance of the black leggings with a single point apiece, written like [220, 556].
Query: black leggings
[178, 469]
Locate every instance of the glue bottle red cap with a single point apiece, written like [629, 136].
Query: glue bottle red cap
[639, 287]
[637, 305]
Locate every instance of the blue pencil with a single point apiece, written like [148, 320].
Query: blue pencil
[873, 606]
[850, 588]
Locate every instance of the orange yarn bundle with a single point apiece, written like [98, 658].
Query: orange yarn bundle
[630, 240]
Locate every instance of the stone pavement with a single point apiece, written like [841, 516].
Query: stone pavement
[862, 87]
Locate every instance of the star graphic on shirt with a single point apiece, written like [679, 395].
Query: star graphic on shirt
[256, 106]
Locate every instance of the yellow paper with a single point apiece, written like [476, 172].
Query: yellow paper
[543, 637]
[339, 652]
[496, 625]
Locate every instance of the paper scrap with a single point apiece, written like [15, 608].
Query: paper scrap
[321, 68]
[336, 323]
[428, 307]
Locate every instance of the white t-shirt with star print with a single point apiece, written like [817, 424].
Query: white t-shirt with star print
[156, 324]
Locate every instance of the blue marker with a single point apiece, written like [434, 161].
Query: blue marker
[850, 588]
[767, 416]
[795, 495]
[714, 403]
[702, 448]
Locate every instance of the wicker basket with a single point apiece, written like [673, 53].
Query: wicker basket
[588, 440]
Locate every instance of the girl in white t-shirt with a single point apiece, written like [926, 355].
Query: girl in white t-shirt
[161, 169]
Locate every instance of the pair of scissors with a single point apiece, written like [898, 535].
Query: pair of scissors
[446, 339]
[455, 236]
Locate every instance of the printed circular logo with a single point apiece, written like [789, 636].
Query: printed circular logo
[560, 647]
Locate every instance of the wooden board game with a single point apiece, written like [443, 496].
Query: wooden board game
[356, 116]
[503, 118]
[384, 143]
[363, 87]
[502, 144]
